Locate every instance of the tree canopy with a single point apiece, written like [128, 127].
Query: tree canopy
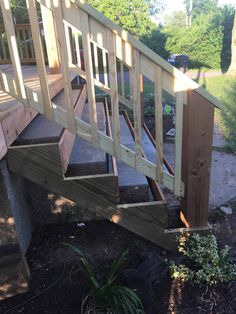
[132, 15]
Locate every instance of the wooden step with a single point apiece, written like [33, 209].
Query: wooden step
[43, 131]
[14, 116]
[85, 159]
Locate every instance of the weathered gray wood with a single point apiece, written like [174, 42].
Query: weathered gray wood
[86, 159]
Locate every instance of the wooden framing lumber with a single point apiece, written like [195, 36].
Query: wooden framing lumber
[90, 79]
[40, 165]
[32, 11]
[63, 52]
[16, 122]
[68, 139]
[198, 121]
[12, 44]
[159, 123]
[50, 39]
[174, 72]
[114, 92]
[179, 107]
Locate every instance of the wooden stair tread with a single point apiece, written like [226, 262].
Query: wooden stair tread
[86, 159]
[41, 130]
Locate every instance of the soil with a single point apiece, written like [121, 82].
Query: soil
[57, 284]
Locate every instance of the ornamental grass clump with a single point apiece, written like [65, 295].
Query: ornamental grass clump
[106, 296]
[203, 262]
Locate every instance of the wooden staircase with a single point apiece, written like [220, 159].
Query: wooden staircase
[54, 158]
[55, 132]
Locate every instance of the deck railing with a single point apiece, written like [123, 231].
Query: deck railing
[24, 44]
[81, 40]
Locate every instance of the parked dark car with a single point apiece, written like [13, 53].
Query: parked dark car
[180, 61]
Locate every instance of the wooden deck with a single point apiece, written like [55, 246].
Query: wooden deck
[14, 116]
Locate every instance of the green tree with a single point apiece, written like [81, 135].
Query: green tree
[202, 41]
[132, 15]
[201, 7]
[156, 41]
[177, 18]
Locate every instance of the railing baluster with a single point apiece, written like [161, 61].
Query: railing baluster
[95, 54]
[14, 53]
[178, 136]
[105, 69]
[137, 106]
[63, 52]
[50, 40]
[89, 79]
[159, 123]
[39, 55]
[114, 91]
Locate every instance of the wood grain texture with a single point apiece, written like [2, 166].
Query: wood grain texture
[64, 57]
[41, 165]
[16, 122]
[198, 120]
[179, 107]
[159, 123]
[39, 54]
[147, 220]
[114, 92]
[68, 139]
[50, 40]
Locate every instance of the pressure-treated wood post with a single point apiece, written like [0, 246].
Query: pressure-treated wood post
[50, 39]
[198, 122]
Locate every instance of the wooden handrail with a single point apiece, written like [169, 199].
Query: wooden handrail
[92, 46]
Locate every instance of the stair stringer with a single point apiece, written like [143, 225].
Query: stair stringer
[41, 165]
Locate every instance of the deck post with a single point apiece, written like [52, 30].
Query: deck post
[198, 122]
[50, 39]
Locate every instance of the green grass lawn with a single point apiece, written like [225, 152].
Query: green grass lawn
[224, 88]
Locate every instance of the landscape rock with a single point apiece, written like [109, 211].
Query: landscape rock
[226, 210]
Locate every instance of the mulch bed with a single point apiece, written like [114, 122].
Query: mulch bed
[57, 285]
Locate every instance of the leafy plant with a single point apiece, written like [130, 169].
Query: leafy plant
[105, 295]
[203, 263]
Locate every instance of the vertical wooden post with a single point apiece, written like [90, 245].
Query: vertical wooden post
[13, 49]
[198, 122]
[142, 98]
[50, 39]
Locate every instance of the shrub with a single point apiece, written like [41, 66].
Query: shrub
[203, 262]
[105, 295]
